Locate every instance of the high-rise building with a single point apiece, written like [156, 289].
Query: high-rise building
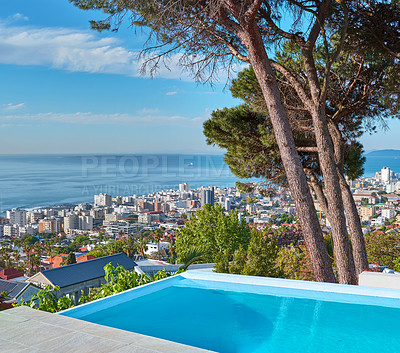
[227, 203]
[388, 213]
[71, 222]
[102, 200]
[78, 222]
[184, 187]
[207, 196]
[50, 225]
[97, 213]
[157, 206]
[111, 217]
[385, 174]
[17, 217]
[85, 222]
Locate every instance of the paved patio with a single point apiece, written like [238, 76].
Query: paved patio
[23, 329]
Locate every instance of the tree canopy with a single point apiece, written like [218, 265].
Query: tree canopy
[213, 233]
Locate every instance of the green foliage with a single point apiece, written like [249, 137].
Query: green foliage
[81, 240]
[29, 239]
[383, 249]
[98, 252]
[3, 294]
[239, 261]
[213, 233]
[354, 160]
[114, 247]
[283, 218]
[247, 136]
[396, 264]
[118, 280]
[264, 258]
[261, 256]
[294, 264]
[46, 300]
[222, 262]
[71, 259]
[191, 256]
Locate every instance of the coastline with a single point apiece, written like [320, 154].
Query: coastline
[50, 180]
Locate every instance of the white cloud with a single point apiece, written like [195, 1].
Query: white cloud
[171, 93]
[12, 106]
[140, 119]
[79, 51]
[17, 17]
[148, 111]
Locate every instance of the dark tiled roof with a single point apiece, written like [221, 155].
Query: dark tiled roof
[84, 271]
[12, 288]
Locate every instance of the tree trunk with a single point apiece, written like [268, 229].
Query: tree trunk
[356, 234]
[320, 195]
[343, 255]
[294, 170]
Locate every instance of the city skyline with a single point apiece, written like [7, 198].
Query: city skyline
[68, 89]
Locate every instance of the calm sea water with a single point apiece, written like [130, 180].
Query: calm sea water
[28, 181]
[236, 322]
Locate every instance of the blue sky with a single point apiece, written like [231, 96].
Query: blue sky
[67, 89]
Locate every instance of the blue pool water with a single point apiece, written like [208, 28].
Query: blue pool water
[230, 321]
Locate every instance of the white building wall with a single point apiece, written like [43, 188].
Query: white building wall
[385, 174]
[17, 217]
[102, 200]
[388, 213]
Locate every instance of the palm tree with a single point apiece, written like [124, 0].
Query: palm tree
[128, 246]
[158, 234]
[16, 257]
[192, 255]
[34, 263]
[141, 245]
[5, 254]
[171, 250]
[49, 248]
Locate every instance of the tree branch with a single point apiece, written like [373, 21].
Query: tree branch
[252, 11]
[267, 16]
[335, 55]
[294, 82]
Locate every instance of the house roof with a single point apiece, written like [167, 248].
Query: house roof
[13, 289]
[85, 257]
[84, 271]
[10, 273]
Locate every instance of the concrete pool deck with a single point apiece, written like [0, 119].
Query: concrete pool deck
[23, 329]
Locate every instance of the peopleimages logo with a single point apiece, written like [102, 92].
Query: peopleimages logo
[171, 166]
[127, 189]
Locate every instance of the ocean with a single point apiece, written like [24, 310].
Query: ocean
[29, 181]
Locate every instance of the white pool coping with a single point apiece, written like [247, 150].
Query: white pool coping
[293, 284]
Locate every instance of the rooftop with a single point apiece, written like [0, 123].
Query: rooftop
[84, 271]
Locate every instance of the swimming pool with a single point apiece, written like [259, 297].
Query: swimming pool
[235, 314]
